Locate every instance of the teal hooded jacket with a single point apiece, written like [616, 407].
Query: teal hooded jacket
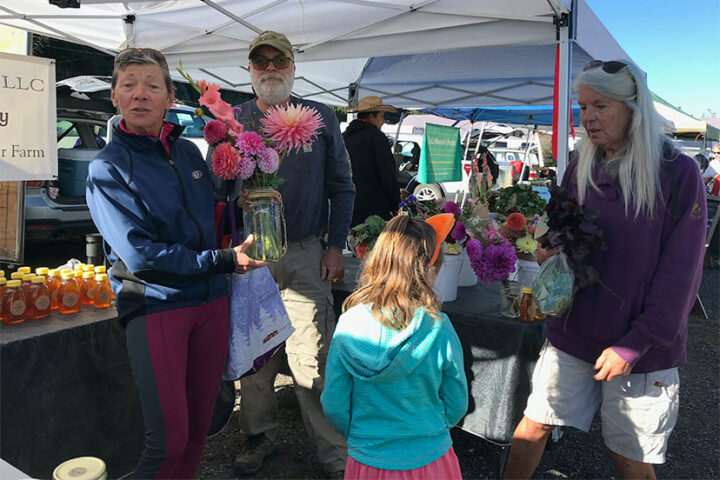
[395, 394]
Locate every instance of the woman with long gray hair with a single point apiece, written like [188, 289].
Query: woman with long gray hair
[619, 346]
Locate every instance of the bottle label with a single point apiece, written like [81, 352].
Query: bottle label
[42, 302]
[103, 297]
[70, 299]
[17, 308]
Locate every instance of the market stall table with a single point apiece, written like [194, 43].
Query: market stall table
[67, 391]
[500, 354]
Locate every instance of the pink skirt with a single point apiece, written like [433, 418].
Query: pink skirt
[445, 467]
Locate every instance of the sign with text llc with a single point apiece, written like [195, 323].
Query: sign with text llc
[28, 143]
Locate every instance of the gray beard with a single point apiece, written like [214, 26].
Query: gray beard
[270, 92]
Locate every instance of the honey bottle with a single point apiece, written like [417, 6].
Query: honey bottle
[525, 303]
[69, 294]
[3, 288]
[103, 291]
[88, 287]
[14, 308]
[27, 283]
[39, 299]
[53, 282]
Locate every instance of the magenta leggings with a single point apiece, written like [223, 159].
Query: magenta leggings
[177, 358]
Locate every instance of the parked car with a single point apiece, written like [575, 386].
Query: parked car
[56, 209]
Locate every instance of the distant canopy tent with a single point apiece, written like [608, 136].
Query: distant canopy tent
[459, 53]
[537, 115]
[685, 125]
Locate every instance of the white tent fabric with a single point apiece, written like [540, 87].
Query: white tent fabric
[471, 53]
[335, 38]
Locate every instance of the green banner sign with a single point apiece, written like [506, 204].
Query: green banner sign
[441, 155]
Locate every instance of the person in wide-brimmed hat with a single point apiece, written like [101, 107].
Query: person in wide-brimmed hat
[373, 165]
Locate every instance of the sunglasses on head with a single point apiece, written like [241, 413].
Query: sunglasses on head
[608, 67]
[261, 62]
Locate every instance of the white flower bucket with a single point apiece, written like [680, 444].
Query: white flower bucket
[467, 277]
[525, 272]
[446, 282]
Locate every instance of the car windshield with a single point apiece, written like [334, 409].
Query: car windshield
[193, 125]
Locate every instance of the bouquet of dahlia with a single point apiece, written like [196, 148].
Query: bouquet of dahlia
[255, 158]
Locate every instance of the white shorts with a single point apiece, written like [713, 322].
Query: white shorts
[638, 411]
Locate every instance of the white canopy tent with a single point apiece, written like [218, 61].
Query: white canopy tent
[470, 53]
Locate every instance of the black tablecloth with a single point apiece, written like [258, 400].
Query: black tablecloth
[500, 354]
[67, 391]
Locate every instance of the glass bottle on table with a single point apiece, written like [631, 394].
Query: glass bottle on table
[42, 271]
[3, 288]
[14, 306]
[88, 287]
[27, 283]
[525, 303]
[53, 282]
[103, 295]
[39, 299]
[69, 294]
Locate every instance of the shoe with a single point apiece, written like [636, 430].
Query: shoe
[250, 460]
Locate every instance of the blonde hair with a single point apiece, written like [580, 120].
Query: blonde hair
[639, 173]
[394, 278]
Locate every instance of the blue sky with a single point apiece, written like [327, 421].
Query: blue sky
[676, 42]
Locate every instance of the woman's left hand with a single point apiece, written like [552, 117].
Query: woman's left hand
[610, 365]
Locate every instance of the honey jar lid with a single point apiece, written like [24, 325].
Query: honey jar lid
[526, 290]
[100, 269]
[24, 269]
[42, 270]
[38, 279]
[89, 274]
[82, 468]
[68, 275]
[88, 268]
[14, 283]
[101, 276]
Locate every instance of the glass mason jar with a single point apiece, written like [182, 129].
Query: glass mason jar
[264, 217]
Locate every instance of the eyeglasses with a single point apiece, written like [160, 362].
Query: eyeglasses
[608, 67]
[261, 62]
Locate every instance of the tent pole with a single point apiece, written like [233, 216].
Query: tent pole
[564, 93]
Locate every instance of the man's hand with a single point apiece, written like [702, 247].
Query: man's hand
[243, 263]
[610, 365]
[332, 263]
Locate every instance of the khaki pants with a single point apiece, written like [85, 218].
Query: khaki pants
[309, 304]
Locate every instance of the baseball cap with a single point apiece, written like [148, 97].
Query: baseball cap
[273, 39]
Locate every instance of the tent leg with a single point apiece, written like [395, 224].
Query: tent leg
[564, 99]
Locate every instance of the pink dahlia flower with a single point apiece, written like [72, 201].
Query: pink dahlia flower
[215, 132]
[246, 167]
[292, 127]
[225, 160]
[251, 143]
[269, 161]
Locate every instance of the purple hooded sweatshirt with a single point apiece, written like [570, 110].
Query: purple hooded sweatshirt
[651, 271]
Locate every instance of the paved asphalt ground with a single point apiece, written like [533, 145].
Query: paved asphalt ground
[693, 452]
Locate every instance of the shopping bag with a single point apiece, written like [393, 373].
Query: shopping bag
[553, 287]
[259, 323]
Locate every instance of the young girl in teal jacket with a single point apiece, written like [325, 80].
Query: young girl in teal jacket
[395, 383]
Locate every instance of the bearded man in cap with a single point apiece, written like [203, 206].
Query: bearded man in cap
[373, 165]
[318, 198]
